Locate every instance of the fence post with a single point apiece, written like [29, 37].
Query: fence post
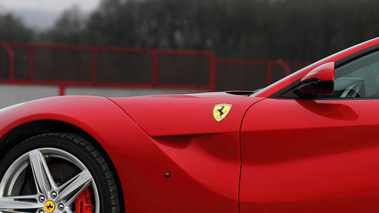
[285, 66]
[212, 73]
[62, 89]
[31, 63]
[11, 59]
[94, 66]
[155, 70]
[269, 74]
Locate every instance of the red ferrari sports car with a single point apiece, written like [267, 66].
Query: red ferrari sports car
[308, 143]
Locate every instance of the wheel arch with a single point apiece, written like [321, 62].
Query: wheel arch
[33, 128]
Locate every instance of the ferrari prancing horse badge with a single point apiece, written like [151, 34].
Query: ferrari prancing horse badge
[220, 111]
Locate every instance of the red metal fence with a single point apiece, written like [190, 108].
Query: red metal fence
[89, 66]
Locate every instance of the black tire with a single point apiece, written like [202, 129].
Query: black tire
[76, 168]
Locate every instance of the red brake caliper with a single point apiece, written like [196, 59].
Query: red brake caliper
[83, 202]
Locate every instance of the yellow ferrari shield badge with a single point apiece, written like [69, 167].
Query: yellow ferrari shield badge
[49, 206]
[220, 111]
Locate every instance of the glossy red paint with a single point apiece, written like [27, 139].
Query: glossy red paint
[316, 156]
[269, 154]
[324, 72]
[319, 81]
[189, 114]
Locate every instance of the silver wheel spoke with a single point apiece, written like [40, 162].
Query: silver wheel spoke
[41, 173]
[69, 191]
[16, 202]
[12, 211]
[68, 211]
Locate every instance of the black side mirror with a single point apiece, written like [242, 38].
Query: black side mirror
[319, 81]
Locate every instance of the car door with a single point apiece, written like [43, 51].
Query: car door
[315, 155]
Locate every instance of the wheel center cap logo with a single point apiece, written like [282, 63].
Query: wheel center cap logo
[220, 111]
[49, 206]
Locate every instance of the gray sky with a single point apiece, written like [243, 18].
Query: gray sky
[49, 5]
[41, 14]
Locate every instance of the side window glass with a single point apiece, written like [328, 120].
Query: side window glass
[358, 78]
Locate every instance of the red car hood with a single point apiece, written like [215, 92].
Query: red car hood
[190, 114]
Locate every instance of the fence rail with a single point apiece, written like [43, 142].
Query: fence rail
[90, 66]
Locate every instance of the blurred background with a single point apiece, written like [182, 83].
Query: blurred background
[134, 47]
